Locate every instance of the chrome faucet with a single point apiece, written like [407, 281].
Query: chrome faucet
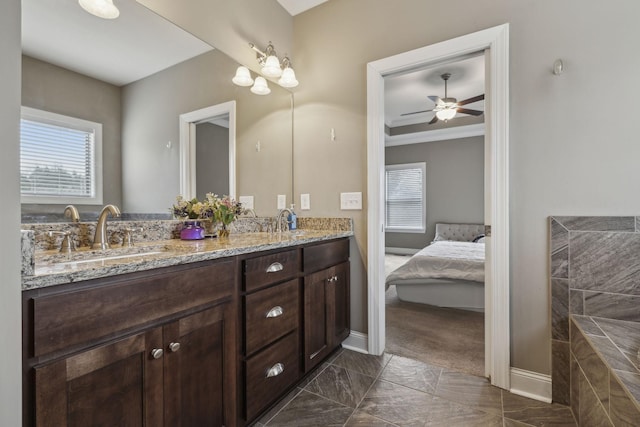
[100, 240]
[279, 219]
[71, 212]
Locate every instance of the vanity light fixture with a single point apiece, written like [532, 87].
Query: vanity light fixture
[260, 86]
[242, 77]
[271, 67]
[101, 8]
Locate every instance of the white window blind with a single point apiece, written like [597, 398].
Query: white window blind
[59, 159]
[405, 198]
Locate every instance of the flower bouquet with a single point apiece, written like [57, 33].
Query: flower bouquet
[212, 209]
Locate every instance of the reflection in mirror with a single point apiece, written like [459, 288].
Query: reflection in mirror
[212, 157]
[139, 113]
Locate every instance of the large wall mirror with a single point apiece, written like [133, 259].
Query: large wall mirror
[137, 75]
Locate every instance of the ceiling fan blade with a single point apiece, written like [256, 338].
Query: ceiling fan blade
[435, 99]
[415, 112]
[435, 119]
[471, 100]
[470, 112]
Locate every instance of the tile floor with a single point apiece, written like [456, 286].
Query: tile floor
[354, 389]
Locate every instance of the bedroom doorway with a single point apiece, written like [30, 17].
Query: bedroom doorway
[494, 42]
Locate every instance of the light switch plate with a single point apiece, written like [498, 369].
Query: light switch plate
[351, 201]
[305, 202]
[246, 202]
[282, 201]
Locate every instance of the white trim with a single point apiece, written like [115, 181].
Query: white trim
[188, 146]
[496, 39]
[531, 384]
[435, 135]
[400, 251]
[356, 341]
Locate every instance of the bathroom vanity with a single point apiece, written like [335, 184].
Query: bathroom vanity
[210, 336]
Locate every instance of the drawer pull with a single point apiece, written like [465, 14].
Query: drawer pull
[174, 346]
[275, 312]
[275, 267]
[275, 370]
[333, 279]
[157, 353]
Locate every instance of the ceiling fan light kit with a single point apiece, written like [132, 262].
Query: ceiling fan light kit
[446, 108]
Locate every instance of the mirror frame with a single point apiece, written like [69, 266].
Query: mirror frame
[188, 146]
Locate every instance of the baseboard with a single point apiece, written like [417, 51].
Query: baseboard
[400, 251]
[356, 341]
[531, 384]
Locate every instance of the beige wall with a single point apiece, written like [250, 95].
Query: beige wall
[454, 185]
[10, 298]
[51, 88]
[151, 108]
[568, 156]
[231, 25]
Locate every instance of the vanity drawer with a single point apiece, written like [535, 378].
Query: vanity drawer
[106, 307]
[265, 381]
[324, 255]
[265, 270]
[270, 314]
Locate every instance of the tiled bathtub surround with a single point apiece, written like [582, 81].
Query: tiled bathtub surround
[595, 271]
[605, 375]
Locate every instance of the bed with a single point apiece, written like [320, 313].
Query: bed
[447, 273]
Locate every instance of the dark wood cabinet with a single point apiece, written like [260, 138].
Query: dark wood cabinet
[326, 312]
[213, 343]
[326, 299]
[162, 360]
[115, 384]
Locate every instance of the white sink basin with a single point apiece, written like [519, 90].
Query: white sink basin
[108, 258]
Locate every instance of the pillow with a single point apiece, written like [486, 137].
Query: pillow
[478, 239]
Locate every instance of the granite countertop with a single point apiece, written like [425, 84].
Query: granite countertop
[53, 268]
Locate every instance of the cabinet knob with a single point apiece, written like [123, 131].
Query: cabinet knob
[275, 312]
[275, 267]
[157, 353]
[275, 370]
[333, 279]
[174, 346]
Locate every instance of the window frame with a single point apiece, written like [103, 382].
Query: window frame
[48, 117]
[423, 226]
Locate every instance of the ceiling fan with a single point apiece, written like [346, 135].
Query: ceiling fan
[446, 108]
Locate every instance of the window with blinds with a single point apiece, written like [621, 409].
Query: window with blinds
[59, 159]
[405, 187]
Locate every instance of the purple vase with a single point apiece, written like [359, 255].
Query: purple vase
[192, 230]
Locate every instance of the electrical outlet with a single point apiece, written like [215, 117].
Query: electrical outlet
[282, 201]
[351, 201]
[305, 202]
[246, 201]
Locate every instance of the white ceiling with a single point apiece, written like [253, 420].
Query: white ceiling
[295, 7]
[119, 51]
[408, 92]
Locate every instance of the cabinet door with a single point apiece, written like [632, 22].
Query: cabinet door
[317, 338]
[116, 384]
[338, 305]
[200, 369]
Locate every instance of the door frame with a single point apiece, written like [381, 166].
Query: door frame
[495, 43]
[187, 125]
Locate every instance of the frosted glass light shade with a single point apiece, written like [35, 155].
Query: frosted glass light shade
[446, 114]
[101, 8]
[242, 77]
[271, 67]
[260, 86]
[288, 78]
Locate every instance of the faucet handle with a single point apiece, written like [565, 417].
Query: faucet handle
[67, 245]
[127, 235]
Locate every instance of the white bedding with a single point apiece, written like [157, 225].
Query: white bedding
[443, 260]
